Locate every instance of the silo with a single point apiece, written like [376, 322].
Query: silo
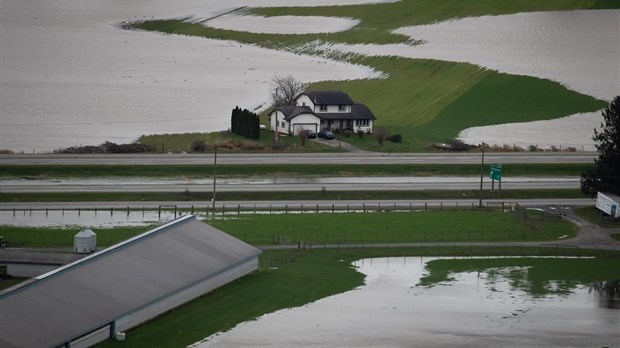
[85, 241]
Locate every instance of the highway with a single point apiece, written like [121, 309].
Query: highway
[282, 184]
[287, 158]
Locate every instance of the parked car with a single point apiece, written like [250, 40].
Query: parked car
[325, 134]
[311, 134]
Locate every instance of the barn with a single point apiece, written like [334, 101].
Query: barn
[117, 288]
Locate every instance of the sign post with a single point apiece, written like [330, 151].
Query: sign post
[495, 173]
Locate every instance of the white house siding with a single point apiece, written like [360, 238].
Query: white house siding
[296, 124]
[304, 121]
[279, 128]
[365, 129]
[304, 100]
[333, 109]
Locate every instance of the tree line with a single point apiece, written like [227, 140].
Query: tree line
[245, 123]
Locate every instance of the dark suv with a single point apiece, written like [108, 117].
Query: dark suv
[325, 134]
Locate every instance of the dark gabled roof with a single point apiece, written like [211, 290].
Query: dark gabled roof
[291, 111]
[98, 289]
[361, 112]
[329, 98]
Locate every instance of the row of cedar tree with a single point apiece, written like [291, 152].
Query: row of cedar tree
[245, 123]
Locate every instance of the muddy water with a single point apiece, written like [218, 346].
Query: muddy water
[474, 310]
[101, 218]
[579, 49]
[70, 76]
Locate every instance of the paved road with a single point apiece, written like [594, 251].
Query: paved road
[322, 158]
[282, 184]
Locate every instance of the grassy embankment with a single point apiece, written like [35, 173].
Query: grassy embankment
[393, 227]
[426, 101]
[310, 276]
[34, 172]
[230, 142]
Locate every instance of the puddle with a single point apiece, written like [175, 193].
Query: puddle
[471, 311]
[101, 218]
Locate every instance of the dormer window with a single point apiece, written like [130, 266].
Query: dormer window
[323, 107]
[342, 108]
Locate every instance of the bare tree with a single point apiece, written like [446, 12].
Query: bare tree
[284, 89]
[381, 135]
[303, 135]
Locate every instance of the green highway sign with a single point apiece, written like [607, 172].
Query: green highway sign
[495, 172]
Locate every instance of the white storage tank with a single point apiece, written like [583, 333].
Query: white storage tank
[85, 241]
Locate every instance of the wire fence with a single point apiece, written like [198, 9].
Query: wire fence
[223, 209]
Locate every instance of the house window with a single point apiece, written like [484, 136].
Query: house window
[282, 124]
[342, 108]
[362, 123]
[303, 103]
[323, 107]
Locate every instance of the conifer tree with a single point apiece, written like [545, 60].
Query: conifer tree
[605, 176]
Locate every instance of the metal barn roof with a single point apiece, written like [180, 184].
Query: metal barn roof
[86, 294]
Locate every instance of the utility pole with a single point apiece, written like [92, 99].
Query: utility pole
[214, 180]
[276, 128]
[481, 175]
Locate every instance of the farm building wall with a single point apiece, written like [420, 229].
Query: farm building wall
[174, 300]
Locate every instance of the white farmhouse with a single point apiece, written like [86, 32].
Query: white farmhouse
[318, 110]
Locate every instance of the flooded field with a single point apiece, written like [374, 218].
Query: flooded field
[71, 76]
[91, 218]
[391, 310]
[579, 49]
[283, 24]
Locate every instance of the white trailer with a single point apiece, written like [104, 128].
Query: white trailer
[608, 203]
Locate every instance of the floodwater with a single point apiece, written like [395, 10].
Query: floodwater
[283, 24]
[70, 76]
[390, 310]
[101, 218]
[574, 131]
[579, 49]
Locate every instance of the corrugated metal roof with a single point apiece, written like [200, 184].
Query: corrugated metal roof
[96, 290]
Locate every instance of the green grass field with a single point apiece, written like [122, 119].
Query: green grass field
[431, 226]
[595, 216]
[230, 142]
[425, 101]
[34, 172]
[46, 237]
[531, 275]
[387, 227]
